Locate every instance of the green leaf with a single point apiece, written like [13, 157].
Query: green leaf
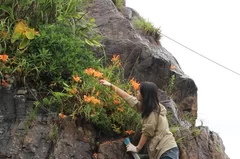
[92, 20]
[15, 36]
[8, 10]
[60, 18]
[59, 94]
[97, 44]
[45, 101]
[66, 85]
[180, 139]
[24, 43]
[89, 42]
[30, 34]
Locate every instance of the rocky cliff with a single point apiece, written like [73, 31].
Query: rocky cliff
[144, 58]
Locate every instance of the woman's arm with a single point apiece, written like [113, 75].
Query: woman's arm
[142, 142]
[119, 91]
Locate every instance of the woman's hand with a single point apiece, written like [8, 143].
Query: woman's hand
[105, 83]
[131, 148]
[117, 90]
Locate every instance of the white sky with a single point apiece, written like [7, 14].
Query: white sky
[212, 28]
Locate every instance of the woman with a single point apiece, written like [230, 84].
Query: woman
[155, 130]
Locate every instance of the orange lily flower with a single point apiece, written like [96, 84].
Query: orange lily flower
[129, 132]
[97, 74]
[76, 78]
[4, 57]
[172, 67]
[121, 109]
[4, 83]
[95, 101]
[115, 58]
[118, 64]
[135, 84]
[116, 102]
[95, 155]
[61, 115]
[87, 99]
[74, 91]
[92, 99]
[89, 71]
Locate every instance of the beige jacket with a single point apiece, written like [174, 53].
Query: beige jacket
[156, 128]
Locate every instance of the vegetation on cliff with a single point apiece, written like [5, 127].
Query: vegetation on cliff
[47, 45]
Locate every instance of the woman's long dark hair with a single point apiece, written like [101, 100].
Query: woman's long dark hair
[150, 101]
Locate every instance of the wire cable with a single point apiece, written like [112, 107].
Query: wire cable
[201, 55]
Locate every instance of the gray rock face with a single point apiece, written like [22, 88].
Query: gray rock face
[201, 144]
[72, 143]
[113, 149]
[7, 117]
[141, 57]
[48, 137]
[7, 107]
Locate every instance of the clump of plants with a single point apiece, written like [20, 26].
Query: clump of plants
[147, 27]
[46, 55]
[171, 85]
[53, 133]
[118, 3]
[98, 104]
[49, 47]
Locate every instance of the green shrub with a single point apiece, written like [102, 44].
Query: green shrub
[171, 85]
[56, 59]
[42, 11]
[196, 131]
[57, 55]
[65, 41]
[98, 104]
[118, 3]
[147, 27]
